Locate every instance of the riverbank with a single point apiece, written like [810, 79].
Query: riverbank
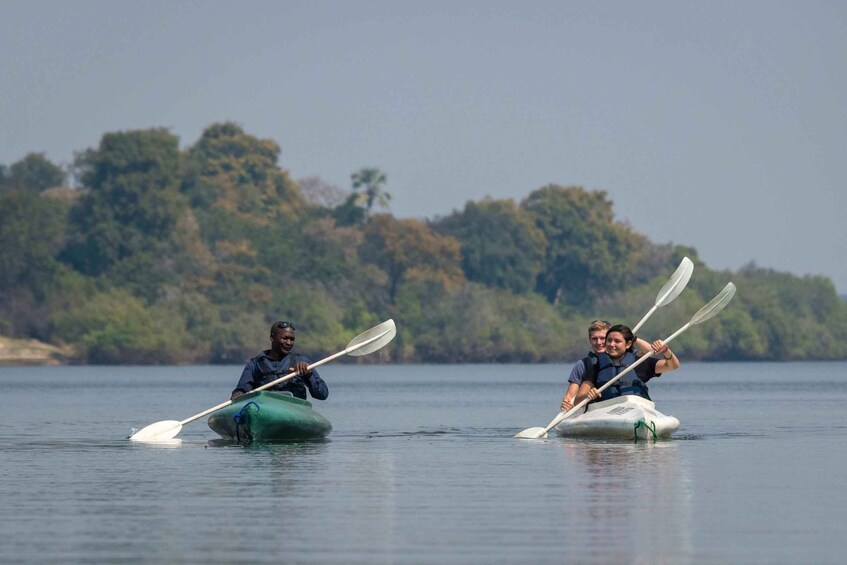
[32, 352]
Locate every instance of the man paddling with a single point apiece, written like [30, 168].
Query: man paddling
[279, 361]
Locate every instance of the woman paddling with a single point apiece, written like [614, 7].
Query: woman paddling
[597, 339]
[617, 357]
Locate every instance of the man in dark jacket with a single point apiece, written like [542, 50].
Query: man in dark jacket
[279, 361]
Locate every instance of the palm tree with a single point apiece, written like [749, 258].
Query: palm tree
[370, 180]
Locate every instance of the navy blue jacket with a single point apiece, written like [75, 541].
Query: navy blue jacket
[262, 369]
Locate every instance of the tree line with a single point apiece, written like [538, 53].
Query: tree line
[163, 255]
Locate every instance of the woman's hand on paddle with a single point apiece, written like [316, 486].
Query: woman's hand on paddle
[593, 394]
[567, 404]
[659, 347]
[668, 361]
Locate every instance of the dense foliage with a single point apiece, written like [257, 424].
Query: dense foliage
[169, 255]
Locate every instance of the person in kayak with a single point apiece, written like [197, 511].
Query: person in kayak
[619, 354]
[279, 361]
[597, 340]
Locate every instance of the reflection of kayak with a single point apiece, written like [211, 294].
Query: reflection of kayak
[269, 416]
[624, 417]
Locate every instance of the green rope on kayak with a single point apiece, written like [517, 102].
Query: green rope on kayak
[651, 427]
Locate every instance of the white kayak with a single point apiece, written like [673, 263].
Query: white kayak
[624, 417]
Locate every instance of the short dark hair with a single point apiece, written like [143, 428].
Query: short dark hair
[623, 330]
[280, 326]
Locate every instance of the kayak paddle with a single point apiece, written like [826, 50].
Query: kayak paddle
[671, 290]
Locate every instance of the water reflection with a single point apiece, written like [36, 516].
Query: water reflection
[160, 443]
[636, 498]
[435, 480]
[305, 489]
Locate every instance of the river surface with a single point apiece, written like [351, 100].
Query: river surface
[421, 467]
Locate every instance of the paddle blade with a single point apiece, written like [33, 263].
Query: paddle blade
[532, 433]
[166, 429]
[372, 339]
[676, 284]
[714, 306]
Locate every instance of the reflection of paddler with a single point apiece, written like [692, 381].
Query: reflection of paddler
[617, 460]
[638, 491]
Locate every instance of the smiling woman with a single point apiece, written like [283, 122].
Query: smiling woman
[618, 355]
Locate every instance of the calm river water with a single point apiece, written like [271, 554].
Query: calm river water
[421, 467]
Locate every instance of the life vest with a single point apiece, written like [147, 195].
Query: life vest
[605, 370]
[590, 363]
[272, 370]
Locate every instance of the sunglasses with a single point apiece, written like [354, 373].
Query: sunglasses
[281, 326]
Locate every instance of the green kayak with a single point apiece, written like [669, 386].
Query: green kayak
[269, 416]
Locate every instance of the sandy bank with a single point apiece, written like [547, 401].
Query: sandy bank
[31, 352]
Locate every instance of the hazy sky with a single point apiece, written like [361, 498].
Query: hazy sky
[718, 125]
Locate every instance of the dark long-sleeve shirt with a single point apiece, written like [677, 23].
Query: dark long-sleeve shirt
[261, 369]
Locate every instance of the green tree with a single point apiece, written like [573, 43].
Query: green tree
[481, 325]
[245, 205]
[409, 249]
[111, 327]
[33, 173]
[131, 223]
[798, 317]
[588, 254]
[349, 212]
[370, 181]
[237, 173]
[501, 246]
[32, 232]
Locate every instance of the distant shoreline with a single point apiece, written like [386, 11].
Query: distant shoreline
[32, 352]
